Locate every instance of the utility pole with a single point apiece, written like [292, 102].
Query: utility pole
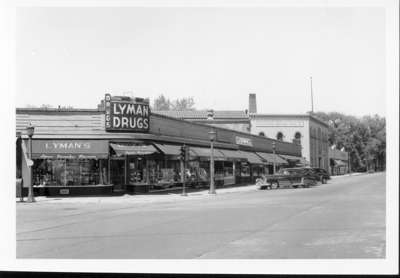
[274, 151]
[183, 170]
[312, 97]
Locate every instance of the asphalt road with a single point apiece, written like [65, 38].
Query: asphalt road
[342, 219]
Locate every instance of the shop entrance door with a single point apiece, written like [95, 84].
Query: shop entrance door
[117, 174]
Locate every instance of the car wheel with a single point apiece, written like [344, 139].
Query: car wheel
[275, 185]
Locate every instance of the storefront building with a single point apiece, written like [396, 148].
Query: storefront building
[339, 161]
[126, 148]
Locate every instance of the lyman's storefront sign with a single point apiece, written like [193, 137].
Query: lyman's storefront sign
[126, 114]
[69, 149]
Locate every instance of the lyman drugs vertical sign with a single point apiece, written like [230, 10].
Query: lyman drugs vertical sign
[127, 116]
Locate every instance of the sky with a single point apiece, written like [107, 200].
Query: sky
[73, 56]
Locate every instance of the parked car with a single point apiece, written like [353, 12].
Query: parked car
[320, 174]
[288, 177]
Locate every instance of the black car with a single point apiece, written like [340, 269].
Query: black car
[288, 177]
[320, 174]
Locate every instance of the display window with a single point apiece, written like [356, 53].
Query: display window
[163, 172]
[69, 172]
[228, 169]
[219, 170]
[244, 169]
[258, 170]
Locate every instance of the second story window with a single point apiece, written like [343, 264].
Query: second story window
[279, 136]
[297, 138]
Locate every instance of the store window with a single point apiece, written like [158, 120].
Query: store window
[258, 170]
[69, 172]
[163, 172]
[244, 169]
[219, 170]
[228, 169]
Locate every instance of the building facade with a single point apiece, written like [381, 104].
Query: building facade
[127, 148]
[305, 130]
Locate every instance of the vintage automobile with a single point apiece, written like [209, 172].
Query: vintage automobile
[288, 177]
[320, 174]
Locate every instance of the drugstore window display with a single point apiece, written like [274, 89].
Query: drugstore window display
[69, 172]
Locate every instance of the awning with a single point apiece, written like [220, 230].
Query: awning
[133, 149]
[271, 158]
[303, 162]
[299, 160]
[169, 149]
[233, 155]
[252, 158]
[206, 153]
[340, 162]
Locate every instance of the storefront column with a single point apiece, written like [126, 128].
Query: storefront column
[234, 171]
[147, 172]
[109, 169]
[100, 172]
[126, 171]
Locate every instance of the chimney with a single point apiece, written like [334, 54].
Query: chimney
[210, 114]
[252, 104]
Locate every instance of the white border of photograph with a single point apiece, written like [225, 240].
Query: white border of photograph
[8, 259]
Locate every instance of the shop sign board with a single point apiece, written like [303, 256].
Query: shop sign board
[126, 115]
[69, 149]
[244, 141]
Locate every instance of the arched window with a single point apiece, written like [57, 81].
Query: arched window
[279, 136]
[261, 133]
[297, 138]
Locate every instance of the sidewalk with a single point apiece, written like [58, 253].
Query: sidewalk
[153, 198]
[347, 175]
[143, 198]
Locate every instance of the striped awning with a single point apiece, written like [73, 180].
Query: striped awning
[133, 149]
[297, 159]
[233, 154]
[271, 158]
[252, 158]
[205, 153]
[169, 149]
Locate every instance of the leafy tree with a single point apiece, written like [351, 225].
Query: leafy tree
[364, 138]
[162, 103]
[183, 104]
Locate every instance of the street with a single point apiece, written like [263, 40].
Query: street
[342, 219]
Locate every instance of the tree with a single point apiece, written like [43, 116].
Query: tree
[161, 103]
[183, 104]
[364, 138]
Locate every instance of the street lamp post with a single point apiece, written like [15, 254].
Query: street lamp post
[273, 151]
[30, 130]
[19, 175]
[212, 136]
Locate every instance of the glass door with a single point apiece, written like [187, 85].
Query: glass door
[117, 174]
